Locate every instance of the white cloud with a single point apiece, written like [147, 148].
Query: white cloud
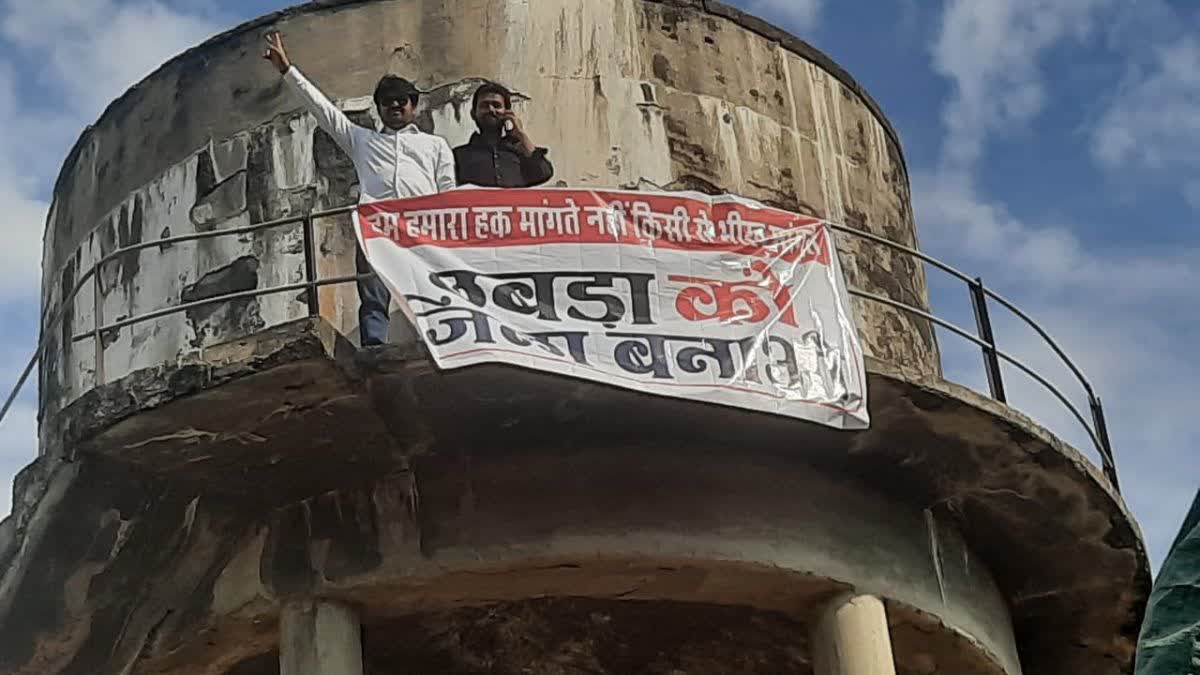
[21, 254]
[93, 50]
[1153, 121]
[1048, 257]
[990, 51]
[1117, 311]
[18, 447]
[792, 15]
[22, 157]
[1123, 317]
[87, 52]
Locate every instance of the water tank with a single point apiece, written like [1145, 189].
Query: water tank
[236, 487]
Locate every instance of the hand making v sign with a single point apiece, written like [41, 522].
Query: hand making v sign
[275, 52]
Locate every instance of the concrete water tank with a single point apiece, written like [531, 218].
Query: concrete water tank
[653, 95]
[221, 489]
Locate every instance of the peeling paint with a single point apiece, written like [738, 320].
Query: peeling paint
[221, 321]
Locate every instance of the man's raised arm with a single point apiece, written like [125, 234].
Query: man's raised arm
[329, 116]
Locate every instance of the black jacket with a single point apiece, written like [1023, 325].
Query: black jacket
[501, 165]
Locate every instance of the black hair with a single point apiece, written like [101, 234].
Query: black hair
[396, 87]
[488, 89]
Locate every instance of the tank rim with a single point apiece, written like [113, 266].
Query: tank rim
[744, 19]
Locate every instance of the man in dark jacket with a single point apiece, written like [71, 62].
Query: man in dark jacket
[500, 154]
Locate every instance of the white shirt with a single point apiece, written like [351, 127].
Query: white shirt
[390, 164]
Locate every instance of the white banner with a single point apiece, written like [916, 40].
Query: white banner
[716, 299]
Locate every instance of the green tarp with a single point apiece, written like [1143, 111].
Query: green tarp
[1170, 639]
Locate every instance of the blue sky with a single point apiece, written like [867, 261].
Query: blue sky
[1054, 147]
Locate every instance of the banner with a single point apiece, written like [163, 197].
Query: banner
[715, 299]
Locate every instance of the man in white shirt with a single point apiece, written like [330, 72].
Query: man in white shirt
[397, 161]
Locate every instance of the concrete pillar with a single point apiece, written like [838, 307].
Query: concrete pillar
[852, 638]
[320, 637]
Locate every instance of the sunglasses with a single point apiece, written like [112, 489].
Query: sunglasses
[389, 101]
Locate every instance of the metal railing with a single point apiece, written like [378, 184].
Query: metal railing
[980, 295]
[1097, 431]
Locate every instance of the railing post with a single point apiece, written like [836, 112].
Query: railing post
[98, 323]
[983, 321]
[1110, 466]
[310, 266]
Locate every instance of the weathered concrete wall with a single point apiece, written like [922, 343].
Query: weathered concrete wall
[128, 570]
[626, 93]
[199, 496]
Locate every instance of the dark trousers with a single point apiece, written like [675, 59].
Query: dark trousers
[374, 301]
